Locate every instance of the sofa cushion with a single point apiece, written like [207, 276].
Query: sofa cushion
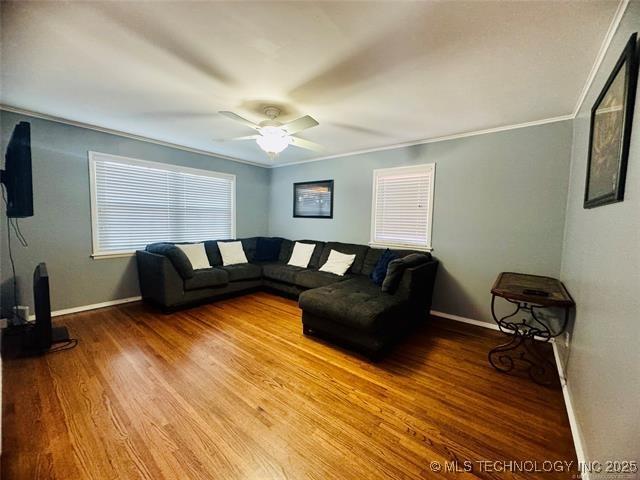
[232, 253]
[356, 303]
[213, 253]
[196, 254]
[314, 278]
[177, 257]
[285, 250]
[374, 254]
[338, 263]
[267, 249]
[249, 247]
[207, 278]
[360, 251]
[301, 254]
[380, 271]
[243, 271]
[315, 257]
[397, 267]
[281, 272]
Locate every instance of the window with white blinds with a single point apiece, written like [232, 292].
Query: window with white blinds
[402, 207]
[136, 202]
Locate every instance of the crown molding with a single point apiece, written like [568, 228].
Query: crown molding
[613, 27]
[119, 133]
[66, 121]
[504, 128]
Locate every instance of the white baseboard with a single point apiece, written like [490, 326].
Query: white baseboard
[477, 323]
[573, 421]
[94, 306]
[470, 321]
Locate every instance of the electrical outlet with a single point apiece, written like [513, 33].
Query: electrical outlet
[567, 339]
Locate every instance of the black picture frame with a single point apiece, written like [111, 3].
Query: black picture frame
[611, 166]
[303, 188]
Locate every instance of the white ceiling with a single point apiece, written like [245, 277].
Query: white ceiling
[373, 74]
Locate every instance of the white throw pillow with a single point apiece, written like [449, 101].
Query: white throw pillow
[196, 254]
[337, 263]
[301, 255]
[232, 253]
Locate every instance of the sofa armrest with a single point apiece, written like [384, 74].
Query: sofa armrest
[417, 284]
[159, 281]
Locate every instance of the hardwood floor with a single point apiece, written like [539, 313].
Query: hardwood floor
[234, 390]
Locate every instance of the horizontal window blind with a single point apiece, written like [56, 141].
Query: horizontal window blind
[136, 202]
[402, 206]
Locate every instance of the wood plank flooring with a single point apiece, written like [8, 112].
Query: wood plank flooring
[233, 390]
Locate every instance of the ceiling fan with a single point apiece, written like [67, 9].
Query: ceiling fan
[273, 137]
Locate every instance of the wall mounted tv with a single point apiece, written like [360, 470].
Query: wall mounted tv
[16, 175]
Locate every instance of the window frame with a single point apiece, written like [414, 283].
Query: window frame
[95, 253]
[431, 167]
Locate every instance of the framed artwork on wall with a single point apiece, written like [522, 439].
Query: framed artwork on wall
[610, 132]
[313, 199]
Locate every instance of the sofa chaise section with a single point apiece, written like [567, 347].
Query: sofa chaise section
[357, 313]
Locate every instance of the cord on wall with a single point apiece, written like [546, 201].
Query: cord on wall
[23, 241]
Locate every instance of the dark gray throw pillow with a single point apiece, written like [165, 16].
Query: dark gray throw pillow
[397, 267]
[177, 257]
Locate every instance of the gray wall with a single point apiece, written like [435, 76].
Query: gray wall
[499, 205]
[601, 268]
[60, 231]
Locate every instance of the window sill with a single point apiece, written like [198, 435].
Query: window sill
[395, 246]
[104, 256]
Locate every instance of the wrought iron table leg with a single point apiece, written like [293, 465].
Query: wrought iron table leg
[503, 357]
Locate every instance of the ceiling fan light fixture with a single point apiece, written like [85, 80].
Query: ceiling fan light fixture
[273, 136]
[273, 140]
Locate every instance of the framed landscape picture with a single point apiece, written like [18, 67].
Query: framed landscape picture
[313, 199]
[610, 133]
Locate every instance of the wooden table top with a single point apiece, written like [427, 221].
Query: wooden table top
[525, 288]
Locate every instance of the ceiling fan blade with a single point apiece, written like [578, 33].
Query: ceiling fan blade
[246, 137]
[238, 118]
[302, 143]
[300, 124]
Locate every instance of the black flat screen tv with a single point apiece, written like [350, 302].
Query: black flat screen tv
[16, 175]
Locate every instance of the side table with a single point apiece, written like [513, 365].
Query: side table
[528, 293]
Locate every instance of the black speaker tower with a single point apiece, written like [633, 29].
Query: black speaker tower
[40, 338]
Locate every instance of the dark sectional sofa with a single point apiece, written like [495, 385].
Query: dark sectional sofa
[349, 309]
